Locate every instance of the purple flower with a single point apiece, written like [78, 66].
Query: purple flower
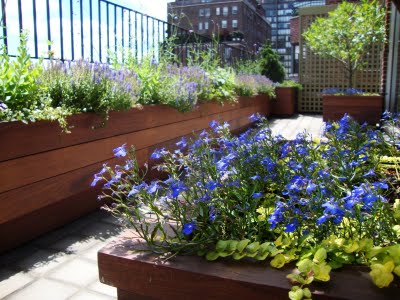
[182, 143]
[188, 228]
[120, 151]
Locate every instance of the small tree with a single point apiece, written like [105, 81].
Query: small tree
[347, 33]
[270, 64]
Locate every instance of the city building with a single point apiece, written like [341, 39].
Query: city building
[238, 22]
[279, 13]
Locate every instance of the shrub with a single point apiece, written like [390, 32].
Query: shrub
[271, 66]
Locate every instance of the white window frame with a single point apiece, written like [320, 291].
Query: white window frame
[224, 24]
[233, 24]
[205, 25]
[200, 25]
[201, 12]
[218, 11]
[225, 11]
[234, 10]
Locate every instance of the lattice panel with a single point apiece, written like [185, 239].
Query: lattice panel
[317, 73]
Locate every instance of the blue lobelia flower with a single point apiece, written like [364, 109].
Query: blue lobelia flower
[188, 228]
[182, 143]
[370, 173]
[311, 187]
[177, 187]
[256, 195]
[292, 226]
[120, 151]
[153, 187]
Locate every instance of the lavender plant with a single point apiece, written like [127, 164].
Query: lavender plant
[323, 203]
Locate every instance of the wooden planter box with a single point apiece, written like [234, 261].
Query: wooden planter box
[361, 108]
[45, 174]
[142, 275]
[285, 103]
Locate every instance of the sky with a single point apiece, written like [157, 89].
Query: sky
[153, 8]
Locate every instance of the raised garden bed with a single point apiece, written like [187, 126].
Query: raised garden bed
[361, 108]
[142, 275]
[285, 103]
[46, 174]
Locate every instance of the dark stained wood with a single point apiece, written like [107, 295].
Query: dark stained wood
[285, 103]
[26, 170]
[26, 139]
[23, 229]
[361, 108]
[146, 275]
[51, 178]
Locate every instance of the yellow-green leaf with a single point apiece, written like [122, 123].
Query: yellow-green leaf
[321, 271]
[320, 255]
[397, 271]
[242, 244]
[232, 245]
[253, 247]
[212, 255]
[278, 261]
[305, 265]
[296, 294]
[352, 247]
[380, 278]
[221, 246]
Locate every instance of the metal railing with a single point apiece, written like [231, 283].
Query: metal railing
[90, 29]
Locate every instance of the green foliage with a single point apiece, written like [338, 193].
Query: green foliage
[85, 87]
[248, 67]
[290, 83]
[270, 64]
[18, 80]
[223, 84]
[347, 34]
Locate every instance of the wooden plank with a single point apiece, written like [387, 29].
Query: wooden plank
[192, 277]
[20, 201]
[19, 172]
[27, 139]
[20, 230]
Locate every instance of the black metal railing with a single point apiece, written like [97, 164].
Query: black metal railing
[89, 29]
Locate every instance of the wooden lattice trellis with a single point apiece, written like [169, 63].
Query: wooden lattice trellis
[317, 73]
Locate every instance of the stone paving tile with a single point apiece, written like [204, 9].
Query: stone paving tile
[74, 244]
[42, 261]
[78, 271]
[91, 253]
[101, 231]
[103, 289]
[44, 289]
[14, 255]
[10, 281]
[85, 295]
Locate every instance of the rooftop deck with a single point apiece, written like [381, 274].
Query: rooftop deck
[63, 263]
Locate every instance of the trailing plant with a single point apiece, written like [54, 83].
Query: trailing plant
[347, 34]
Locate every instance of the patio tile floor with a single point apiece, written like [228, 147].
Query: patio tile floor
[62, 264]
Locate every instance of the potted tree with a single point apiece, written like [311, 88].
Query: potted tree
[346, 35]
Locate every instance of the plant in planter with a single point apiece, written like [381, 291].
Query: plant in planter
[346, 35]
[285, 102]
[319, 204]
[271, 66]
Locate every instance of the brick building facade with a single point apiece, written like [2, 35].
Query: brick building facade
[238, 22]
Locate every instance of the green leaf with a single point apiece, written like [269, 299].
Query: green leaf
[296, 293]
[238, 256]
[242, 244]
[307, 292]
[305, 265]
[381, 278]
[221, 246]
[278, 261]
[232, 246]
[321, 271]
[320, 255]
[212, 255]
[397, 270]
[253, 247]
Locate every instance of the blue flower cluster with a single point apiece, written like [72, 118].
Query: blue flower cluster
[218, 182]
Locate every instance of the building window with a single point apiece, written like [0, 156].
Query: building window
[207, 12]
[200, 26]
[234, 24]
[206, 25]
[234, 10]
[225, 11]
[224, 24]
[218, 11]
[205, 1]
[201, 12]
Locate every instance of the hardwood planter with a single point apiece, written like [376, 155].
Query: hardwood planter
[145, 276]
[361, 108]
[285, 103]
[45, 174]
